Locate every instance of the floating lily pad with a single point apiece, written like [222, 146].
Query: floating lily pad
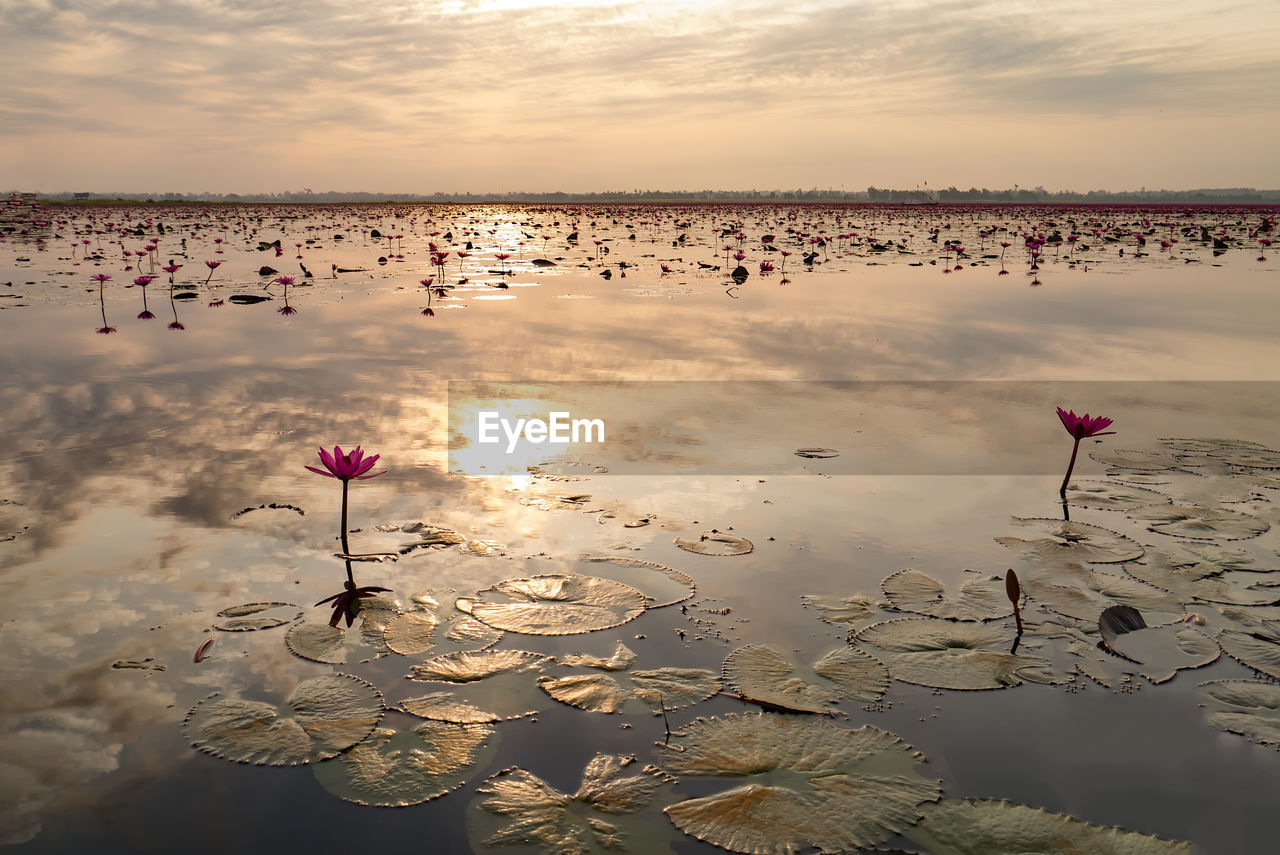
[1260, 654]
[478, 686]
[1209, 446]
[321, 718]
[982, 827]
[634, 691]
[1073, 541]
[1246, 707]
[979, 597]
[1193, 521]
[1248, 458]
[1137, 461]
[556, 605]
[1199, 580]
[614, 810]
[1229, 558]
[817, 453]
[397, 768]
[1086, 596]
[761, 673]
[660, 584]
[807, 784]
[436, 627]
[716, 543]
[336, 645]
[951, 655]
[1162, 651]
[623, 658]
[254, 616]
[841, 610]
[1111, 496]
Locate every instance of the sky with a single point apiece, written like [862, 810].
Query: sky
[260, 96]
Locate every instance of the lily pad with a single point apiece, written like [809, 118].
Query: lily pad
[1163, 651]
[623, 658]
[1191, 579]
[1072, 541]
[1246, 707]
[1137, 461]
[1086, 596]
[817, 453]
[336, 645]
[660, 584]
[716, 543]
[436, 627]
[1111, 496]
[980, 596]
[614, 809]
[479, 686]
[841, 610]
[556, 605]
[984, 826]
[806, 784]
[1198, 523]
[321, 718]
[762, 673]
[634, 691]
[254, 616]
[1260, 654]
[951, 655]
[397, 768]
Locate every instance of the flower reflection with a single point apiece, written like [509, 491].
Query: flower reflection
[345, 601]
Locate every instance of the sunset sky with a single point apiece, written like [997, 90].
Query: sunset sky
[579, 95]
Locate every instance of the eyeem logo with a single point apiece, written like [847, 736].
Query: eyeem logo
[558, 429]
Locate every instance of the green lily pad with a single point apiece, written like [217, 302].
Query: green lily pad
[985, 827]
[613, 810]
[566, 604]
[979, 597]
[398, 768]
[762, 673]
[952, 655]
[1086, 596]
[1163, 651]
[1246, 707]
[321, 718]
[804, 783]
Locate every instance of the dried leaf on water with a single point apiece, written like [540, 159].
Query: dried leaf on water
[322, 717]
[987, 826]
[397, 768]
[807, 784]
[762, 673]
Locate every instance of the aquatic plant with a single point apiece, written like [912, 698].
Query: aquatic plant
[1080, 427]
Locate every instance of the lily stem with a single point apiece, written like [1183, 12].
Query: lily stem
[1062, 491]
[342, 532]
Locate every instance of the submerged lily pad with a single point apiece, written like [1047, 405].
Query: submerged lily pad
[1260, 654]
[613, 810]
[660, 584]
[808, 784]
[634, 691]
[321, 718]
[716, 543]
[397, 768]
[1246, 707]
[951, 655]
[1197, 523]
[556, 605]
[1072, 541]
[761, 673]
[1111, 496]
[980, 596]
[985, 826]
[254, 616]
[479, 686]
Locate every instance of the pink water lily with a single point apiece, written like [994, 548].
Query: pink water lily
[1080, 427]
[347, 466]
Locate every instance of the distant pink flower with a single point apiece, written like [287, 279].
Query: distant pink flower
[212, 265]
[284, 280]
[426, 283]
[106, 330]
[100, 277]
[352, 465]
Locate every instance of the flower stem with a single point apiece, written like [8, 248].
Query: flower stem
[342, 532]
[1062, 491]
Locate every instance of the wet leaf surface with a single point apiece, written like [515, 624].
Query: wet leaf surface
[1111, 495]
[435, 624]
[255, 616]
[1260, 654]
[1190, 579]
[557, 605]
[633, 691]
[762, 673]
[336, 645]
[1247, 707]
[951, 655]
[716, 543]
[1072, 541]
[660, 584]
[481, 685]
[806, 783]
[322, 717]
[980, 597]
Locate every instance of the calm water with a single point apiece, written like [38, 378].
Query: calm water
[130, 453]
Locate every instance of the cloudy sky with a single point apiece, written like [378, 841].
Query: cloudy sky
[579, 95]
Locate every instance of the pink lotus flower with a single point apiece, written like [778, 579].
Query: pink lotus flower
[1080, 427]
[346, 466]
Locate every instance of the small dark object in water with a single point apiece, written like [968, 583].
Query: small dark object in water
[543, 262]
[606, 274]
[382, 259]
[305, 271]
[267, 271]
[185, 295]
[247, 299]
[200, 651]
[739, 274]
[374, 233]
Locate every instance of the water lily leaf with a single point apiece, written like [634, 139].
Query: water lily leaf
[817, 453]
[439, 628]
[634, 692]
[397, 768]
[1246, 707]
[337, 645]
[1162, 651]
[1087, 596]
[1072, 541]
[980, 596]
[1191, 579]
[951, 655]
[661, 585]
[1259, 654]
[557, 605]
[623, 658]
[841, 610]
[322, 717]
[1111, 496]
[808, 784]
[983, 826]
[254, 616]
[480, 685]
[614, 809]
[1137, 461]
[1228, 558]
[762, 673]
[1193, 521]
[716, 543]
[1248, 458]
[1209, 446]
